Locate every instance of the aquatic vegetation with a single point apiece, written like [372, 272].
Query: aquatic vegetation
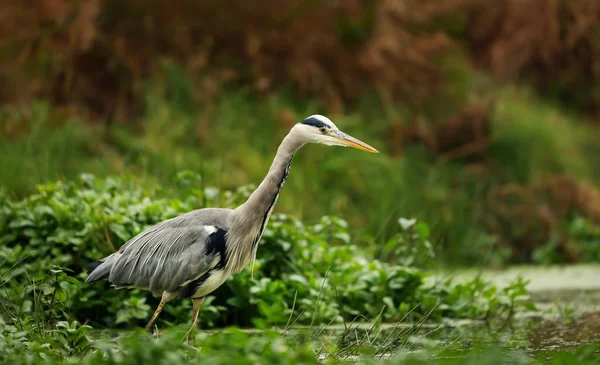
[490, 158]
[311, 275]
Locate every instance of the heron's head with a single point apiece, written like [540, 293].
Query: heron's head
[319, 129]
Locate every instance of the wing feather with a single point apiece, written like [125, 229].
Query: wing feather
[163, 259]
[167, 255]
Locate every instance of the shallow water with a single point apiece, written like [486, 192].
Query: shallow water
[567, 316]
[533, 336]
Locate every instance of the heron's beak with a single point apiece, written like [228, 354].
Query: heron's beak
[349, 141]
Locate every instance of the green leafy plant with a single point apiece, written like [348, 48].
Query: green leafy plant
[411, 245]
[310, 273]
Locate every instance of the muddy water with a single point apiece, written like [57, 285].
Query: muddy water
[568, 316]
[568, 303]
[531, 336]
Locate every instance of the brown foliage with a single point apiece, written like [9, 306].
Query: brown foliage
[95, 53]
[555, 40]
[463, 135]
[528, 216]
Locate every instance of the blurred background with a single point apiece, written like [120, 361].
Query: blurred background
[487, 113]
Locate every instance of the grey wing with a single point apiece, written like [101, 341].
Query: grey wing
[163, 258]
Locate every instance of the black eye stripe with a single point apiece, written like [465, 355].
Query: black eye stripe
[315, 123]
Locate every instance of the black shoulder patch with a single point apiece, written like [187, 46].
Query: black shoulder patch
[314, 122]
[217, 244]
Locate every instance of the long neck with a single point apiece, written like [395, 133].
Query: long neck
[250, 219]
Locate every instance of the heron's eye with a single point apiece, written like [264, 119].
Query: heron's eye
[323, 129]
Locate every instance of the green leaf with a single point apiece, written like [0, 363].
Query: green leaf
[423, 230]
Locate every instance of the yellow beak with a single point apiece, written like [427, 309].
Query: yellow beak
[346, 140]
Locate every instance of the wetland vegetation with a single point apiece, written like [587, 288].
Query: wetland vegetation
[117, 115]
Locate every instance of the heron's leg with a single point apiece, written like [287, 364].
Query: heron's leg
[197, 304]
[165, 298]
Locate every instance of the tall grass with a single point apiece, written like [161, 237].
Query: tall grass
[231, 138]
[531, 136]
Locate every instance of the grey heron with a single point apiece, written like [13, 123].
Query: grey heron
[191, 255]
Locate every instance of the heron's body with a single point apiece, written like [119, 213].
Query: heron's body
[191, 255]
[190, 248]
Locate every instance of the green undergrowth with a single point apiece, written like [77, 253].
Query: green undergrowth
[531, 136]
[304, 274]
[231, 140]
